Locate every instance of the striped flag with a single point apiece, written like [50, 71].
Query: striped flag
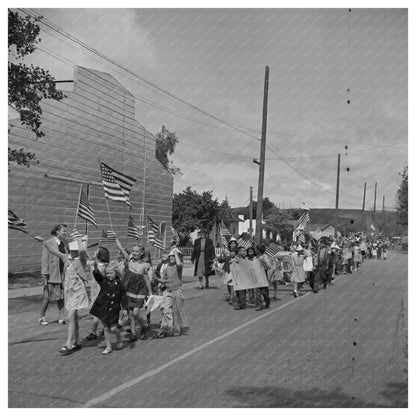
[85, 209]
[16, 223]
[155, 233]
[303, 220]
[272, 249]
[117, 186]
[107, 237]
[74, 234]
[224, 232]
[132, 230]
[245, 243]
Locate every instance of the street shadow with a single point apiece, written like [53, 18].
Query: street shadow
[397, 394]
[276, 396]
[29, 340]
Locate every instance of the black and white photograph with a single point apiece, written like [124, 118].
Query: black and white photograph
[207, 206]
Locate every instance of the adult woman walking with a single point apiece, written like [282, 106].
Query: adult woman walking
[203, 255]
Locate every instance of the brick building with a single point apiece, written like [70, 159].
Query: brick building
[95, 120]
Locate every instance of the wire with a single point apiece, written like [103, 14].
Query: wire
[152, 84]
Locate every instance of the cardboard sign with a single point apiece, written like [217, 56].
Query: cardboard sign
[248, 274]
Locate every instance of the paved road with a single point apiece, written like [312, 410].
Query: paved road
[343, 347]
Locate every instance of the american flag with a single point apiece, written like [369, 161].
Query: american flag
[301, 238]
[132, 230]
[16, 223]
[223, 233]
[245, 243]
[272, 249]
[155, 233]
[117, 186]
[107, 237]
[303, 220]
[74, 234]
[85, 209]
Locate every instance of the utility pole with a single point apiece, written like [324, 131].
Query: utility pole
[383, 205]
[375, 199]
[363, 217]
[250, 212]
[259, 210]
[337, 196]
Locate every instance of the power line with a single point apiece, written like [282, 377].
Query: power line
[152, 84]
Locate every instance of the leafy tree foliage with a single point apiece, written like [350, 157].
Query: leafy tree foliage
[165, 146]
[191, 211]
[402, 198]
[277, 223]
[27, 85]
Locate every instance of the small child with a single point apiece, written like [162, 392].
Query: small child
[102, 258]
[109, 301]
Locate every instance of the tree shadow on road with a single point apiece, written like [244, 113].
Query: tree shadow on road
[272, 396]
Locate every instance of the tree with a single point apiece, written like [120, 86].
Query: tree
[191, 211]
[225, 213]
[27, 85]
[165, 146]
[402, 199]
[277, 223]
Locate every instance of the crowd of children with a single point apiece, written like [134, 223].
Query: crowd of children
[125, 291]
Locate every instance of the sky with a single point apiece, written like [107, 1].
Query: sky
[337, 85]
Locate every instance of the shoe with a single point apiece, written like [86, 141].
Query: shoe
[62, 321]
[91, 337]
[133, 338]
[295, 294]
[43, 321]
[143, 333]
[66, 350]
[119, 345]
[176, 334]
[185, 331]
[201, 287]
[76, 347]
[324, 285]
[107, 351]
[161, 334]
[267, 306]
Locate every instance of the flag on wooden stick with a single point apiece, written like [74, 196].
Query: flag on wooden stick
[117, 186]
[303, 220]
[107, 237]
[16, 223]
[154, 233]
[245, 243]
[224, 233]
[132, 230]
[272, 249]
[85, 209]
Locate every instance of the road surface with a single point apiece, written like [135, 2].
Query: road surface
[343, 347]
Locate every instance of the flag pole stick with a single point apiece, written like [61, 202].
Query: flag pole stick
[86, 222]
[76, 213]
[109, 215]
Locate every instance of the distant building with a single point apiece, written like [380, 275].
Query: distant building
[96, 119]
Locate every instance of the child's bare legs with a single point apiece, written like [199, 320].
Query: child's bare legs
[132, 321]
[107, 336]
[73, 327]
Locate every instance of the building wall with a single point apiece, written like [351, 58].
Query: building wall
[95, 120]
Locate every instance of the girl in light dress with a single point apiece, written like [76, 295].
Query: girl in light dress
[75, 288]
